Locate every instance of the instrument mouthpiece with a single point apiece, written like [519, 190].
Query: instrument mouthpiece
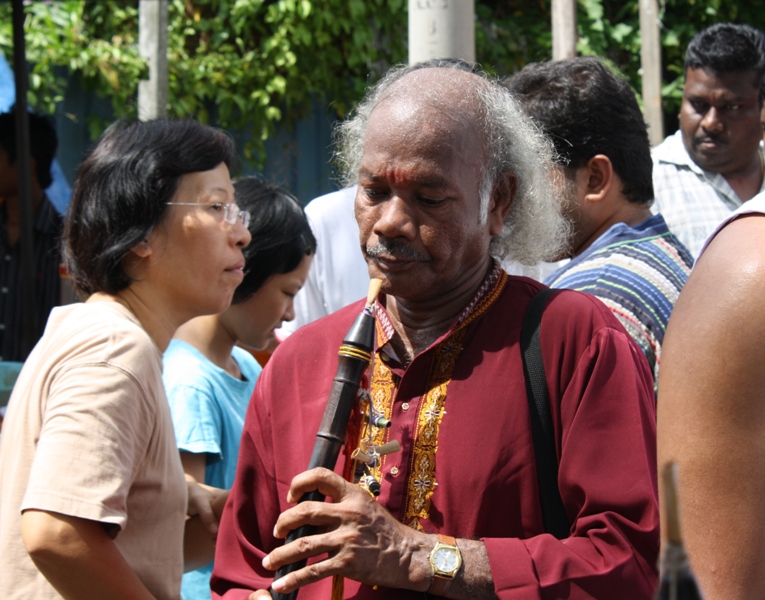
[374, 291]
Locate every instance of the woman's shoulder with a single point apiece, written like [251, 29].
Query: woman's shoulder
[99, 333]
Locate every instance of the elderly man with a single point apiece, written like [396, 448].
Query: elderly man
[620, 252]
[450, 173]
[714, 163]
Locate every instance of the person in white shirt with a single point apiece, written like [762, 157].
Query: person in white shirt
[714, 163]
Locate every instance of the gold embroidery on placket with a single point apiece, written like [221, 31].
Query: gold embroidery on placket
[422, 474]
[382, 392]
[421, 482]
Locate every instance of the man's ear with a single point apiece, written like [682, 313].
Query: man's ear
[502, 198]
[600, 177]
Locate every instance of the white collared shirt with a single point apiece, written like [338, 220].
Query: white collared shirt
[692, 200]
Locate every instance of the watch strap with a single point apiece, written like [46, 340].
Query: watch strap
[439, 585]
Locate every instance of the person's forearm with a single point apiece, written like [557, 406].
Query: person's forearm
[78, 558]
[474, 581]
[198, 542]
[198, 545]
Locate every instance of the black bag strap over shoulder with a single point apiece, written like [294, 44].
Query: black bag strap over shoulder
[542, 433]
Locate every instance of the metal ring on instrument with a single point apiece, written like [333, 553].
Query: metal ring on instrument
[352, 352]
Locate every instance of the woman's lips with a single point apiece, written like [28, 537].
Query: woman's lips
[237, 269]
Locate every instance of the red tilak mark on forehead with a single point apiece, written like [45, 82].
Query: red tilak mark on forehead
[410, 178]
[399, 177]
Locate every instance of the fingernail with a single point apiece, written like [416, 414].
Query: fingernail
[267, 563]
[279, 585]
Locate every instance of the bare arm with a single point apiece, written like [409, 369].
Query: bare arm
[205, 508]
[366, 543]
[78, 557]
[711, 411]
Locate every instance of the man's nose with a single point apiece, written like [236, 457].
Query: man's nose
[712, 120]
[397, 218]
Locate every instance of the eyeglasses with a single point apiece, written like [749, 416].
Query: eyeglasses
[230, 211]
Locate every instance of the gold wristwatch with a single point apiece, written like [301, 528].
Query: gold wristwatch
[445, 560]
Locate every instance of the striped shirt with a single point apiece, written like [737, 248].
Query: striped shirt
[638, 273]
[692, 200]
[47, 229]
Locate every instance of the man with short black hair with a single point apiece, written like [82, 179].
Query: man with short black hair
[46, 228]
[714, 163]
[620, 252]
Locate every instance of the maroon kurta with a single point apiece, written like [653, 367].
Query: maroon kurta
[480, 451]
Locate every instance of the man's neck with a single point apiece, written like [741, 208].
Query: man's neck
[419, 324]
[630, 213]
[747, 182]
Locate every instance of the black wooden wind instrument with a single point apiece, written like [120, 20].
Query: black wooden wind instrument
[354, 357]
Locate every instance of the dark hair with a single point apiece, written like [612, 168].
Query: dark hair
[281, 236]
[42, 143]
[121, 192]
[726, 47]
[586, 109]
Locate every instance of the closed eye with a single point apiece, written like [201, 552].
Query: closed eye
[375, 194]
[428, 201]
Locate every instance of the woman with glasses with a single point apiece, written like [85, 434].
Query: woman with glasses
[93, 499]
[208, 378]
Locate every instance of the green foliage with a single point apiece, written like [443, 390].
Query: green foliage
[96, 40]
[512, 33]
[244, 65]
[248, 65]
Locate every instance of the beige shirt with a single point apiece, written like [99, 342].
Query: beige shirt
[88, 433]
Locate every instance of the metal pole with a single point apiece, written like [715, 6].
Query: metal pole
[152, 43]
[23, 152]
[441, 29]
[650, 58]
[564, 29]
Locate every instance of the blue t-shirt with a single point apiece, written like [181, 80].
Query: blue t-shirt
[208, 407]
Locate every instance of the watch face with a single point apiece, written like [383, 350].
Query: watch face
[445, 560]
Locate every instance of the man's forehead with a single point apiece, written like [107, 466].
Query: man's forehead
[423, 130]
[435, 97]
[738, 83]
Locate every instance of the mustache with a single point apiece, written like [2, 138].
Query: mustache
[708, 137]
[395, 249]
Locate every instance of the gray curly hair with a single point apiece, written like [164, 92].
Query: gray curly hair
[534, 229]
